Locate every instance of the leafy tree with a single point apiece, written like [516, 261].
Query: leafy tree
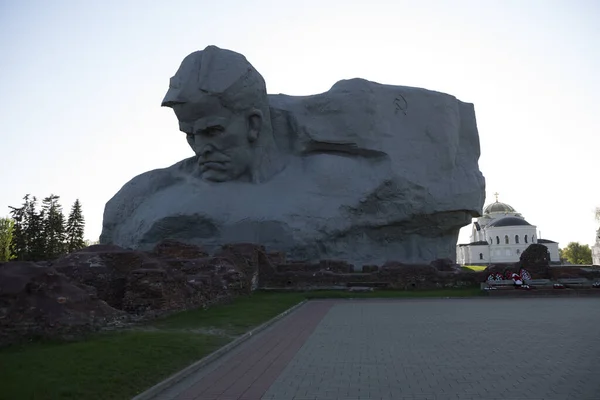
[75, 228]
[7, 226]
[53, 228]
[576, 253]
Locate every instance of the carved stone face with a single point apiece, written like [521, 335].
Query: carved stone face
[222, 140]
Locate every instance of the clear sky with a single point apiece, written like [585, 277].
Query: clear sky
[81, 84]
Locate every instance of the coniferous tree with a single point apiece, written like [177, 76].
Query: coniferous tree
[53, 228]
[7, 226]
[19, 244]
[75, 228]
[44, 235]
[34, 231]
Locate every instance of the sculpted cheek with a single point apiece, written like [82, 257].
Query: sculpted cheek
[230, 140]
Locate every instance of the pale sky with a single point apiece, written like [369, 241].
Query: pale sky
[81, 84]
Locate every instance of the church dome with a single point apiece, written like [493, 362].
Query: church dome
[498, 207]
[509, 221]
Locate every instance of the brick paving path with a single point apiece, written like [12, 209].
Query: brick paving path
[459, 349]
[248, 371]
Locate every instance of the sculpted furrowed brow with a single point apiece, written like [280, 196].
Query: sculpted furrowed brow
[221, 103]
[210, 123]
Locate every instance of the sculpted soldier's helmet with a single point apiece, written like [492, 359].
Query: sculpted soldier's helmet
[219, 73]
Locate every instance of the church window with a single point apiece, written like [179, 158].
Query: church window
[506, 239]
[525, 238]
[533, 239]
[497, 240]
[481, 256]
[517, 239]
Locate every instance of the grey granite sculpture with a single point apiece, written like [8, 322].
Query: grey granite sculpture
[364, 172]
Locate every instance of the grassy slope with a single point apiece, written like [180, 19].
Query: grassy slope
[122, 364]
[476, 268]
[112, 366]
[389, 294]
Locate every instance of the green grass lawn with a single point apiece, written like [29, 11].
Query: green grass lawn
[110, 366]
[475, 268]
[120, 365]
[393, 294]
[235, 318]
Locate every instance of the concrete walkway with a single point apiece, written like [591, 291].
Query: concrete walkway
[547, 348]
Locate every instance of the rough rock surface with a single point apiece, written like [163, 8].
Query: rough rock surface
[536, 260]
[372, 173]
[37, 301]
[174, 276]
[391, 275]
[92, 288]
[173, 249]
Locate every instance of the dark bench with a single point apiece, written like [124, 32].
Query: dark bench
[576, 282]
[360, 289]
[503, 284]
[381, 285]
[539, 282]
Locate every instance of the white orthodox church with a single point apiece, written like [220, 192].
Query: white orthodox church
[500, 236]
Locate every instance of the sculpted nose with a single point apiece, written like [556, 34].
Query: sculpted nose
[171, 103]
[207, 149]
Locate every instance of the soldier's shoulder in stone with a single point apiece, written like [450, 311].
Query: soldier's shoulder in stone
[153, 181]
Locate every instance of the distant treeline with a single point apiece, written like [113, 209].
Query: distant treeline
[32, 234]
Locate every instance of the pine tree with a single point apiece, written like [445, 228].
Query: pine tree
[53, 228]
[75, 228]
[34, 231]
[7, 226]
[27, 242]
[19, 244]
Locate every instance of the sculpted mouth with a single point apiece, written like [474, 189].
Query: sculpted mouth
[217, 165]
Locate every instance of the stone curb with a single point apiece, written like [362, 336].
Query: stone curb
[178, 376]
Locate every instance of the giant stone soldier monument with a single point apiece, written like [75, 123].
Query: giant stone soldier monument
[364, 172]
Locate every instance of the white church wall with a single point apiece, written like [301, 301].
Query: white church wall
[479, 254]
[506, 253]
[473, 255]
[500, 234]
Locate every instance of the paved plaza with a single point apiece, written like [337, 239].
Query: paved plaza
[439, 349]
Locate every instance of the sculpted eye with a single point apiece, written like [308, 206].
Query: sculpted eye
[214, 130]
